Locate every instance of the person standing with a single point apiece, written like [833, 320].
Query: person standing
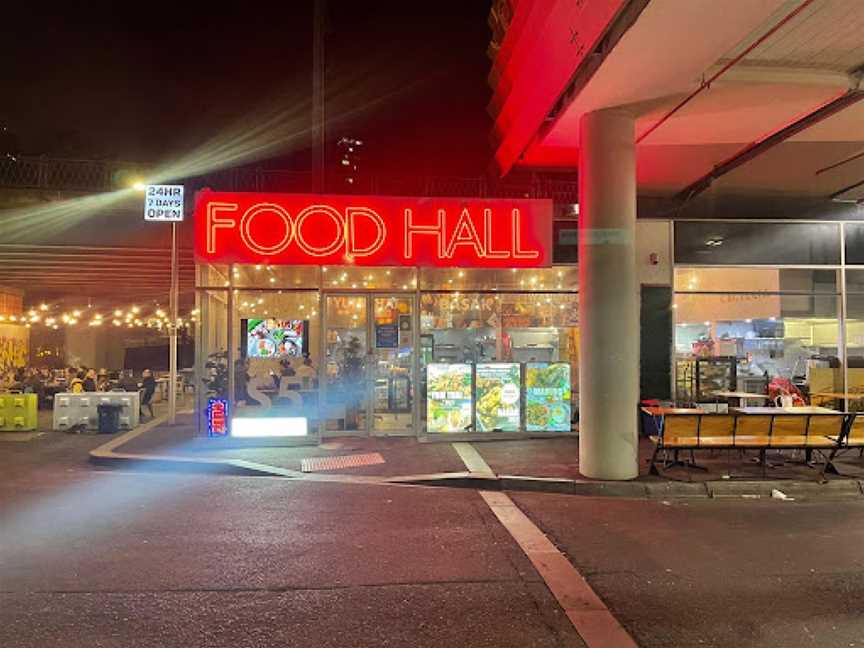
[148, 384]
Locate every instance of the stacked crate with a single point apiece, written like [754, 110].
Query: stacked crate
[18, 412]
[71, 410]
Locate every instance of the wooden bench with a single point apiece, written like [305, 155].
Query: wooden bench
[819, 433]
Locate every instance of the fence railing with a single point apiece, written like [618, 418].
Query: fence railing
[91, 176]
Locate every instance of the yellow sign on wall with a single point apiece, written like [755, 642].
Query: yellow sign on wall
[14, 346]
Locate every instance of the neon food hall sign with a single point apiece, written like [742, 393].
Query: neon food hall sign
[309, 229]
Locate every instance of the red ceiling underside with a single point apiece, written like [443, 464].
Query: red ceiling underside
[545, 46]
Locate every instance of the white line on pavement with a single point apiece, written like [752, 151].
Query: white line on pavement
[588, 614]
[472, 459]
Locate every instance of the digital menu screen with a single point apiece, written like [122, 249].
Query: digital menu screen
[547, 397]
[499, 397]
[275, 338]
[448, 397]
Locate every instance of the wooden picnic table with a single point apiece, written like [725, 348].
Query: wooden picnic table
[807, 409]
[662, 411]
[839, 396]
[739, 394]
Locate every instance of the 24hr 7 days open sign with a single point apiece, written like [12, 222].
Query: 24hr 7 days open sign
[309, 229]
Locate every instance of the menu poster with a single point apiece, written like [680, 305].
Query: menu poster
[547, 396]
[448, 397]
[499, 397]
[386, 336]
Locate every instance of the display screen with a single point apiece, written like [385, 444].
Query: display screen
[448, 397]
[547, 397]
[499, 397]
[275, 338]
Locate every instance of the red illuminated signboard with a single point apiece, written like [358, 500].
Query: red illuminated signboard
[217, 417]
[309, 229]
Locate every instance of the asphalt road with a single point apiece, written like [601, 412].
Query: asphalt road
[113, 559]
[108, 559]
[717, 572]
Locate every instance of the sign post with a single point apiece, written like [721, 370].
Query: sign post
[164, 203]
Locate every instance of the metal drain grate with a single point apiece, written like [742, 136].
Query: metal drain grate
[316, 464]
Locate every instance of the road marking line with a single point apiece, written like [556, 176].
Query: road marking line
[588, 614]
[472, 459]
[108, 448]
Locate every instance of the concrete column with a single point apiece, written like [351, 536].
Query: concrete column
[608, 297]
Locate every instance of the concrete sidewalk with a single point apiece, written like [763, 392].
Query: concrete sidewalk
[545, 465]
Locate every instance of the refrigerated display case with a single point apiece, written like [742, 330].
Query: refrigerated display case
[715, 374]
[393, 395]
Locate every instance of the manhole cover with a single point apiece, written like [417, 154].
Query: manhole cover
[316, 464]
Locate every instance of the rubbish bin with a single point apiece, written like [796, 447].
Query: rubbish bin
[109, 418]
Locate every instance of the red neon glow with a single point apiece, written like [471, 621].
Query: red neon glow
[561, 34]
[303, 229]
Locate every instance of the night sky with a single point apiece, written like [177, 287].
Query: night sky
[151, 81]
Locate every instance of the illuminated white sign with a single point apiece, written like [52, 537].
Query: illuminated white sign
[266, 426]
[163, 203]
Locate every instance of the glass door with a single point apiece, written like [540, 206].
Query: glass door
[346, 363]
[392, 363]
[369, 363]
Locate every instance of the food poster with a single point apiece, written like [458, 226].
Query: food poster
[499, 396]
[547, 396]
[448, 397]
[459, 311]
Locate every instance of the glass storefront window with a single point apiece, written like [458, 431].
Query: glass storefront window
[266, 276]
[211, 350]
[855, 336]
[748, 243]
[490, 279]
[758, 280]
[743, 341]
[210, 275]
[854, 243]
[276, 353]
[346, 366]
[475, 328]
[565, 241]
[855, 281]
[363, 278]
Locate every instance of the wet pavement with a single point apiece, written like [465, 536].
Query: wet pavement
[126, 557]
[190, 560]
[717, 572]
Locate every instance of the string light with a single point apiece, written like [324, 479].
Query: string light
[46, 314]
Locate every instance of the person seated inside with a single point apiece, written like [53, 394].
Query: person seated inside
[102, 382]
[307, 373]
[128, 382]
[285, 368]
[90, 380]
[34, 384]
[148, 384]
[76, 385]
[7, 381]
